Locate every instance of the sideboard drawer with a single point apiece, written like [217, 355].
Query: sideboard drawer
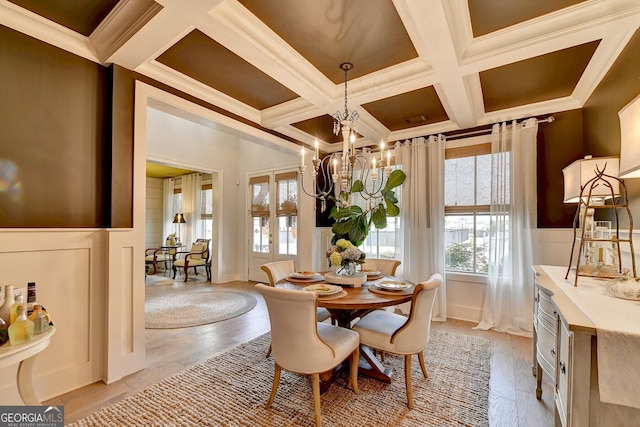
[545, 305]
[563, 379]
[546, 348]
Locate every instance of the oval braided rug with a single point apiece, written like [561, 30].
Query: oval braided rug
[197, 308]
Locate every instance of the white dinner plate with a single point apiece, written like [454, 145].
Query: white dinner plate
[371, 273]
[390, 285]
[323, 289]
[305, 275]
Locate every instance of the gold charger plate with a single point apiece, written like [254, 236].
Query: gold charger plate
[393, 285]
[323, 289]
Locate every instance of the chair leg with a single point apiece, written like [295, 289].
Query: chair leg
[175, 270]
[274, 387]
[407, 380]
[353, 380]
[268, 352]
[422, 366]
[315, 383]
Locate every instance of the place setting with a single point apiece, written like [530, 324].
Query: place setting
[372, 274]
[391, 287]
[326, 291]
[305, 277]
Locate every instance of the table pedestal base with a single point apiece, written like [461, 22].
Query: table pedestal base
[369, 365]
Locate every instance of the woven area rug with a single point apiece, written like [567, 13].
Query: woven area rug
[182, 310]
[232, 389]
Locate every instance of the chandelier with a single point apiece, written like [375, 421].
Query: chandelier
[333, 175]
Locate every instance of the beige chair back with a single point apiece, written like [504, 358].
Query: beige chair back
[279, 270]
[296, 345]
[413, 336]
[387, 267]
[205, 248]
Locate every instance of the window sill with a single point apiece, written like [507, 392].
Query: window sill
[466, 277]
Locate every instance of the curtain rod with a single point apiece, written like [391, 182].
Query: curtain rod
[489, 130]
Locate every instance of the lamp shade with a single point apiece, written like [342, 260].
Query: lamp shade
[578, 173]
[630, 139]
[179, 219]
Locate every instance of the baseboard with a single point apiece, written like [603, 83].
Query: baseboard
[459, 312]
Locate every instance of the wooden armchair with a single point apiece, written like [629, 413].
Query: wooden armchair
[198, 256]
[154, 256]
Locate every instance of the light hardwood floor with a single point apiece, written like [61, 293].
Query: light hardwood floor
[168, 351]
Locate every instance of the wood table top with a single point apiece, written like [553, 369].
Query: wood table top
[357, 298]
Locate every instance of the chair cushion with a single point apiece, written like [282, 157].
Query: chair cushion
[192, 262]
[377, 327]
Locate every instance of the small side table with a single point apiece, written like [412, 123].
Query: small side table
[25, 356]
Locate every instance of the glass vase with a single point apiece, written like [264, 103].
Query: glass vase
[348, 269]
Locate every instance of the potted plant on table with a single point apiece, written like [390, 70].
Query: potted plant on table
[352, 222]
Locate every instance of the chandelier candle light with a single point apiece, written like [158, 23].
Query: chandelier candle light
[335, 174]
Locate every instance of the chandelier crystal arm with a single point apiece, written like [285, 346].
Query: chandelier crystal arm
[341, 175]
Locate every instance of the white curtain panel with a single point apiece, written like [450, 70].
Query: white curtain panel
[191, 203]
[167, 207]
[508, 306]
[422, 213]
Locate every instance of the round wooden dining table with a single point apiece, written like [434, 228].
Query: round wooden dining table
[350, 304]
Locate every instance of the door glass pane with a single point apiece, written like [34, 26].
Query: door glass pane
[287, 235]
[260, 234]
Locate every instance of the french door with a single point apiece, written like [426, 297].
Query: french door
[273, 220]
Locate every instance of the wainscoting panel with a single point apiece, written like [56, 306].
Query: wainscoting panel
[125, 304]
[66, 267]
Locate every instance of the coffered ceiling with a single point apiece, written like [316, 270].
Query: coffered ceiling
[419, 66]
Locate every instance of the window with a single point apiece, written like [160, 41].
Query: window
[204, 228]
[287, 212]
[260, 213]
[206, 208]
[467, 200]
[381, 243]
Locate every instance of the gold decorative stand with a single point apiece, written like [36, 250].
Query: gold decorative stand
[590, 238]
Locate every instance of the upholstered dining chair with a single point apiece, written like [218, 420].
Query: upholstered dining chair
[387, 267]
[304, 346]
[198, 256]
[278, 270]
[395, 333]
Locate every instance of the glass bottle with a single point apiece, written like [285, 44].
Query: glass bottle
[21, 331]
[15, 308]
[40, 319]
[9, 300]
[4, 331]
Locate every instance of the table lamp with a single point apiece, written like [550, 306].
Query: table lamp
[179, 219]
[630, 139]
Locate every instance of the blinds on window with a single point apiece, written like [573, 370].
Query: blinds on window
[287, 193]
[259, 196]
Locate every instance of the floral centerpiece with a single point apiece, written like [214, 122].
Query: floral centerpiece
[346, 256]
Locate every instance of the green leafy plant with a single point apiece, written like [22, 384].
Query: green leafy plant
[353, 223]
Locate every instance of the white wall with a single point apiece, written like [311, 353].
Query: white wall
[179, 142]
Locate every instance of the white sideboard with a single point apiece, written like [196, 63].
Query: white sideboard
[565, 346]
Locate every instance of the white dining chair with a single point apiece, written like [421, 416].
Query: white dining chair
[394, 333]
[385, 266]
[303, 345]
[279, 270]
